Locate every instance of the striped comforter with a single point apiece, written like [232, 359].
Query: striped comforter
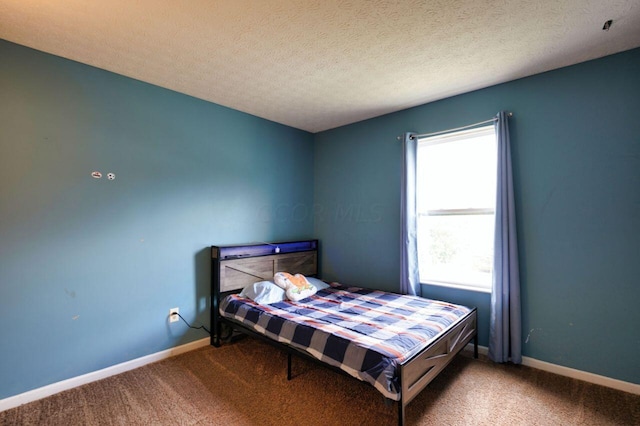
[366, 333]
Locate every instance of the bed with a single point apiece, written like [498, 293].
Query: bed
[398, 344]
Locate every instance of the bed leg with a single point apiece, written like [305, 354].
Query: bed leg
[401, 408]
[475, 346]
[288, 365]
[217, 330]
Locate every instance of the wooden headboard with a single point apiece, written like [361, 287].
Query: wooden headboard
[237, 266]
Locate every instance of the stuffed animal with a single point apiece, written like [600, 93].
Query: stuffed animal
[296, 286]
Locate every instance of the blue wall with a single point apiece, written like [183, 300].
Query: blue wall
[576, 154]
[90, 268]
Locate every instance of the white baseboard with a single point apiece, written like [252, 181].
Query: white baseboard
[570, 372]
[43, 392]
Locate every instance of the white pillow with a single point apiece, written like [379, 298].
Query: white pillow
[317, 283]
[263, 293]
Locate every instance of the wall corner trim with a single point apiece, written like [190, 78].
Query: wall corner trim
[45, 391]
[571, 372]
[48, 390]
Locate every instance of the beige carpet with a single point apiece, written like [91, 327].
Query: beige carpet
[245, 384]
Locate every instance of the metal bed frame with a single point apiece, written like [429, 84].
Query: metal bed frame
[235, 267]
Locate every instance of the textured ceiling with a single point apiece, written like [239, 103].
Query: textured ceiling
[317, 65]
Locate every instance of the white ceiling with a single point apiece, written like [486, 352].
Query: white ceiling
[320, 64]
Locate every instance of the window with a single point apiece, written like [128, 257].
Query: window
[456, 195]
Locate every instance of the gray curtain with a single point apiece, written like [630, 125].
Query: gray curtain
[505, 333]
[409, 273]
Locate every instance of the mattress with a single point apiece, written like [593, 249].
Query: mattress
[366, 333]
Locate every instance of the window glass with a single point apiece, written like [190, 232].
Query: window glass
[456, 189]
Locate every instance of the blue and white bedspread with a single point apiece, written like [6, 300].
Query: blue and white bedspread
[366, 333]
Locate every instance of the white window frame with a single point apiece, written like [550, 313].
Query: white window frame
[447, 138]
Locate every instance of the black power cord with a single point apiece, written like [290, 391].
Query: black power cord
[224, 327]
[190, 326]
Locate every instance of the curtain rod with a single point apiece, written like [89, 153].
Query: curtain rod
[425, 135]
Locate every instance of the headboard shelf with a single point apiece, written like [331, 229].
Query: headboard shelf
[224, 252]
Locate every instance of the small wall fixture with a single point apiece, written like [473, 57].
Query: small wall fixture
[607, 25]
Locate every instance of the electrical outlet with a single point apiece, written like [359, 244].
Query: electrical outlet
[172, 317]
